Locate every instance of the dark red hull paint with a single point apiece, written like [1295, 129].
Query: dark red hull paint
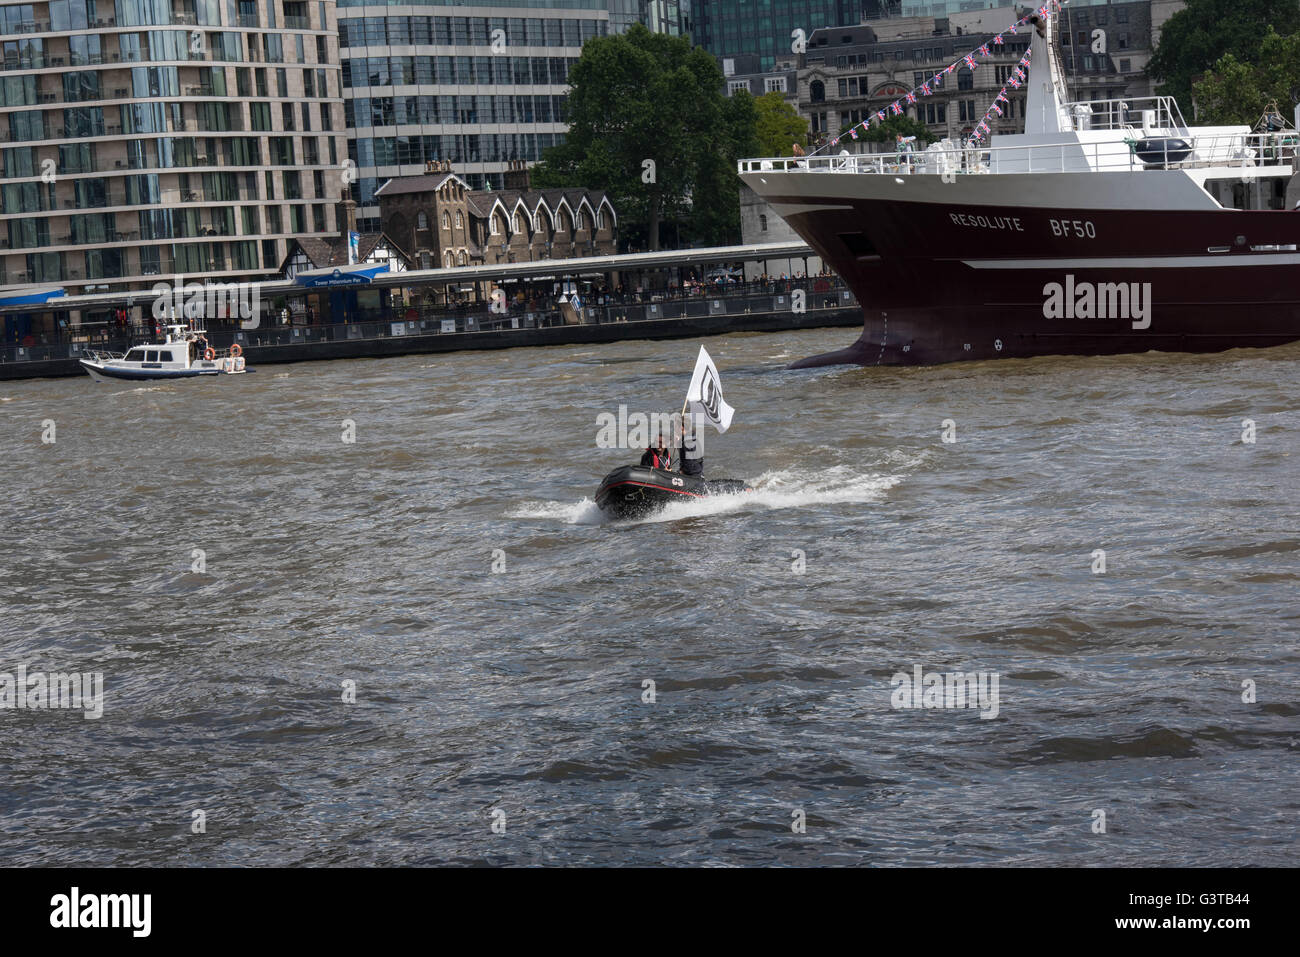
[923, 303]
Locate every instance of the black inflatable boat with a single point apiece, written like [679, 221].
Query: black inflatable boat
[635, 490]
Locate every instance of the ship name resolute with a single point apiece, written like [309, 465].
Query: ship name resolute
[988, 222]
[1107, 300]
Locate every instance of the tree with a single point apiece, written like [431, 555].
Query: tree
[900, 124]
[649, 123]
[1195, 38]
[779, 126]
[715, 205]
[1235, 93]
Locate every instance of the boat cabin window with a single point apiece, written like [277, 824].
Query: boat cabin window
[135, 355]
[151, 355]
[165, 356]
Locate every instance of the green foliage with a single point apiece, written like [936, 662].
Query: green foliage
[894, 126]
[1237, 93]
[1196, 38]
[645, 96]
[779, 126]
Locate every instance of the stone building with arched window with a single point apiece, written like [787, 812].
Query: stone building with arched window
[483, 227]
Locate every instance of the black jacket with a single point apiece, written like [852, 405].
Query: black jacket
[689, 462]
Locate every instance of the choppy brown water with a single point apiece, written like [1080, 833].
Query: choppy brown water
[522, 691]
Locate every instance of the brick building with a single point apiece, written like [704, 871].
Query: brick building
[444, 223]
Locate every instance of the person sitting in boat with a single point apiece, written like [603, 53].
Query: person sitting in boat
[690, 456]
[657, 457]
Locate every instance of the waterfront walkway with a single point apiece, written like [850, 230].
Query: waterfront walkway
[678, 312]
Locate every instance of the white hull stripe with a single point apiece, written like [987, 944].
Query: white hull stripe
[1142, 262]
[789, 209]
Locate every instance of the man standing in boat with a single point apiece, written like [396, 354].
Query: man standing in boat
[690, 454]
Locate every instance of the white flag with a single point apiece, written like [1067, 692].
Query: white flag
[705, 394]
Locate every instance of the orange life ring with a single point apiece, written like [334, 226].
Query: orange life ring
[209, 354]
[236, 350]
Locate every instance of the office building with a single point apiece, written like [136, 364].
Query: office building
[672, 17]
[433, 84]
[732, 28]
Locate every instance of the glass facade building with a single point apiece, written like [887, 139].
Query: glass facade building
[144, 138]
[729, 28]
[425, 82]
[672, 17]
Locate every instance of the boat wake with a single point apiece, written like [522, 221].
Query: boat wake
[781, 489]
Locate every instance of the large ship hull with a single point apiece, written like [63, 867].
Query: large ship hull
[1044, 264]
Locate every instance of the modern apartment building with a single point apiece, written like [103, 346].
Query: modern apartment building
[145, 138]
[474, 86]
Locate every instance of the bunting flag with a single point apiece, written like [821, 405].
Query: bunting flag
[1017, 77]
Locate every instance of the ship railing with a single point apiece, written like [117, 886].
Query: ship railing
[1127, 153]
[102, 355]
[1143, 112]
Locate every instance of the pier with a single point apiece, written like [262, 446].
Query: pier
[662, 295]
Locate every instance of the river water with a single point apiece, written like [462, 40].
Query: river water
[234, 569]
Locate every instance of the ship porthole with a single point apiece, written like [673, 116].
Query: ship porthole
[997, 344]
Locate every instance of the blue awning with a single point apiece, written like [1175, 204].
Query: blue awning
[358, 275]
[30, 295]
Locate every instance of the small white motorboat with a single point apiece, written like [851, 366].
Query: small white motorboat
[184, 353]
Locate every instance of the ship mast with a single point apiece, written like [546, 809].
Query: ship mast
[1045, 104]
